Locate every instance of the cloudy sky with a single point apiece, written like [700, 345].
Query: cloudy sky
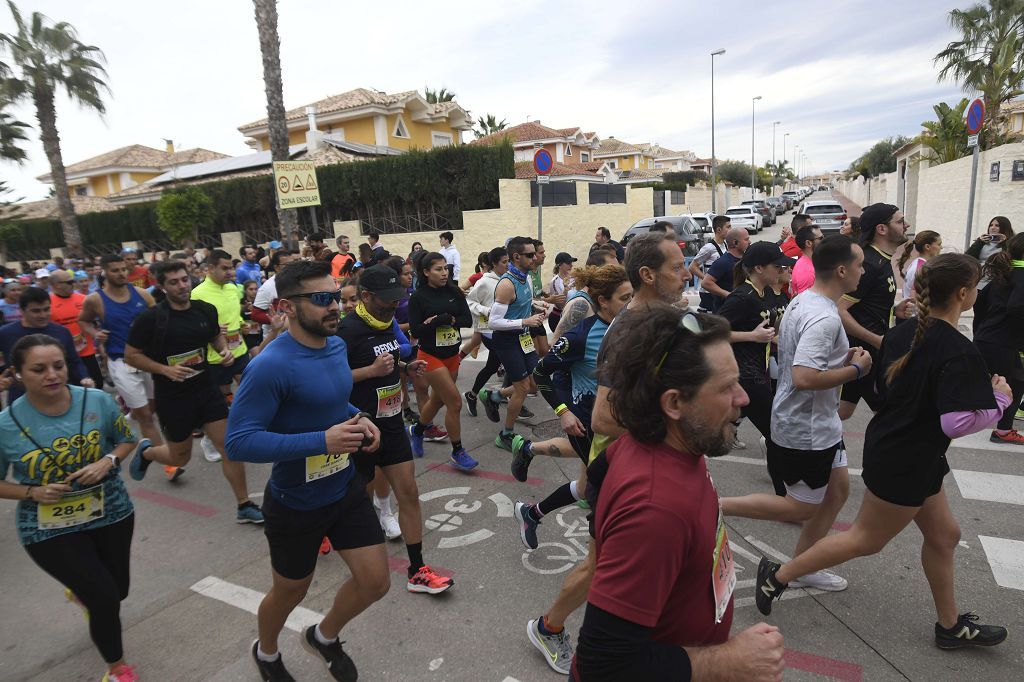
[838, 74]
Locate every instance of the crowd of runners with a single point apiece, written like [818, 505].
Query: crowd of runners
[336, 367]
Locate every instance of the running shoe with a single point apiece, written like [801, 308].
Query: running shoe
[1012, 437]
[415, 441]
[470, 402]
[73, 598]
[461, 460]
[505, 441]
[583, 504]
[767, 587]
[325, 547]
[433, 434]
[762, 443]
[137, 467]
[527, 526]
[501, 371]
[521, 458]
[1019, 415]
[173, 473]
[122, 673]
[410, 415]
[427, 581]
[821, 580]
[556, 647]
[270, 671]
[249, 513]
[737, 444]
[490, 405]
[388, 520]
[524, 414]
[339, 664]
[965, 633]
[210, 451]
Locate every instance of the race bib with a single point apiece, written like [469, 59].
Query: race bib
[322, 466]
[526, 343]
[234, 339]
[389, 400]
[723, 570]
[79, 341]
[73, 509]
[249, 327]
[446, 336]
[191, 358]
[483, 322]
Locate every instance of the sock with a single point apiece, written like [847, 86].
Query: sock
[1002, 432]
[545, 628]
[456, 446]
[267, 658]
[320, 636]
[245, 504]
[383, 503]
[506, 431]
[562, 497]
[534, 513]
[496, 395]
[573, 488]
[528, 449]
[419, 427]
[415, 552]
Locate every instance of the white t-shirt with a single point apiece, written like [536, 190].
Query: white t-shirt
[265, 297]
[451, 257]
[811, 335]
[908, 281]
[707, 255]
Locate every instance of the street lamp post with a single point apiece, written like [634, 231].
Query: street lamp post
[714, 164]
[753, 168]
[796, 162]
[775, 167]
[784, 153]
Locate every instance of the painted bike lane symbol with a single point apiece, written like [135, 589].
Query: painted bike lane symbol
[558, 557]
[451, 520]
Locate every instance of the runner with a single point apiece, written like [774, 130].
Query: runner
[542, 302]
[437, 311]
[807, 238]
[706, 257]
[660, 606]
[561, 283]
[451, 257]
[9, 304]
[248, 268]
[927, 244]
[377, 372]
[138, 273]
[65, 445]
[293, 409]
[65, 307]
[719, 279]
[480, 299]
[806, 457]
[937, 388]
[341, 264]
[169, 342]
[266, 295]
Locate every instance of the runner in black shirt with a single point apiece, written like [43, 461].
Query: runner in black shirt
[377, 375]
[169, 341]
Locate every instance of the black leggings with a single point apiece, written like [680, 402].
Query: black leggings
[759, 410]
[489, 368]
[94, 565]
[1006, 363]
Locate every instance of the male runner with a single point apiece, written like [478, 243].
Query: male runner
[807, 238]
[293, 409]
[65, 307]
[706, 257]
[249, 267]
[169, 342]
[373, 355]
[341, 264]
[266, 295]
[138, 273]
[719, 279]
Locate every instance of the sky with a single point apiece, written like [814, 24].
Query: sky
[839, 75]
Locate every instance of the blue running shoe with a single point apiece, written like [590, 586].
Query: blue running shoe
[249, 513]
[527, 526]
[461, 460]
[137, 467]
[415, 441]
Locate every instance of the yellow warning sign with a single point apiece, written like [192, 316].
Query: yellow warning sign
[296, 184]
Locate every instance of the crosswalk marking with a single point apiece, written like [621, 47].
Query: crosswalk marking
[249, 600]
[1006, 558]
[980, 441]
[980, 485]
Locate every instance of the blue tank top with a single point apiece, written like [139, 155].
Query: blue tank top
[118, 318]
[522, 306]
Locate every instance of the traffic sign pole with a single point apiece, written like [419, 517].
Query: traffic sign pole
[540, 212]
[970, 200]
[543, 164]
[974, 122]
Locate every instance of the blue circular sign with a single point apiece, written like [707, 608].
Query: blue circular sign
[975, 116]
[542, 162]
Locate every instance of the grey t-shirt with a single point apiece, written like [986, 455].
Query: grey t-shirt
[707, 255]
[811, 335]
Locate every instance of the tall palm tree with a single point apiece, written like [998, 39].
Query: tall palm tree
[437, 96]
[12, 134]
[48, 57]
[270, 48]
[946, 138]
[489, 124]
[989, 57]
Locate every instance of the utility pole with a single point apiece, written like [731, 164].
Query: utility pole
[753, 167]
[714, 164]
[775, 166]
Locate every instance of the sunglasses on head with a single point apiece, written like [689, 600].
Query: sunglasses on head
[320, 298]
[689, 322]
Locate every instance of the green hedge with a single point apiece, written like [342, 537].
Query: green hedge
[444, 181]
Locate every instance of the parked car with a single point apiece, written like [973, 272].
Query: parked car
[746, 217]
[822, 188]
[793, 196]
[764, 209]
[779, 204]
[829, 215]
[687, 232]
[704, 225]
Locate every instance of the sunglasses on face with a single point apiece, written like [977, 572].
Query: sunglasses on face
[689, 322]
[321, 298]
[530, 254]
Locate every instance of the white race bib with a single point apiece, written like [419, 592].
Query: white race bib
[389, 400]
[322, 466]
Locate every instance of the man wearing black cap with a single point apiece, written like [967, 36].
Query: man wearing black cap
[559, 286]
[866, 312]
[377, 375]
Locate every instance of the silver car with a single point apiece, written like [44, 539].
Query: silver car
[828, 215]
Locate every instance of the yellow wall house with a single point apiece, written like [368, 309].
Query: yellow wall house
[126, 167]
[403, 120]
[624, 156]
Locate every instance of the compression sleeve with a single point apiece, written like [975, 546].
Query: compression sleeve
[498, 322]
[611, 649]
[959, 424]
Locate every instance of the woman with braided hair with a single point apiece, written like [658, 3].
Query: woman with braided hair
[937, 388]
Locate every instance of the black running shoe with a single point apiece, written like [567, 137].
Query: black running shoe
[410, 415]
[470, 402]
[490, 405]
[767, 588]
[521, 458]
[965, 633]
[525, 413]
[270, 671]
[339, 665]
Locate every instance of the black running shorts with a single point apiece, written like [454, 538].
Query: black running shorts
[518, 365]
[788, 467]
[907, 480]
[394, 448]
[182, 414]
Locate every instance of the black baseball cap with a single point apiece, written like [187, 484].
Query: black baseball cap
[564, 257]
[380, 280]
[766, 253]
[872, 216]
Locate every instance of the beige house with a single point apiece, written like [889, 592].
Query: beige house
[569, 146]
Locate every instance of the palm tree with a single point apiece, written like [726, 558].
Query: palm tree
[946, 138]
[488, 125]
[270, 48]
[49, 56]
[437, 96]
[989, 57]
[12, 134]
[10, 231]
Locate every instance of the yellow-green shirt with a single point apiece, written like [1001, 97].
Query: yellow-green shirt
[227, 299]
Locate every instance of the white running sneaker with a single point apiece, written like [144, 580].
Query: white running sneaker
[821, 580]
[737, 444]
[388, 520]
[209, 450]
[764, 447]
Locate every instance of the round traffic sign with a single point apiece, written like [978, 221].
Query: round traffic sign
[975, 116]
[542, 162]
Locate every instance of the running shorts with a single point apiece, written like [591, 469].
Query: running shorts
[394, 448]
[853, 391]
[451, 364]
[135, 387]
[803, 474]
[223, 376]
[518, 364]
[182, 414]
[907, 480]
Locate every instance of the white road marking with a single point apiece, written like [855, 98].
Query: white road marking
[979, 485]
[766, 548]
[504, 505]
[249, 600]
[435, 664]
[980, 441]
[1006, 558]
[745, 553]
[434, 494]
[463, 540]
[853, 471]
[797, 593]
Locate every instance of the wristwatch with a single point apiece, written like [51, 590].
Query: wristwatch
[113, 458]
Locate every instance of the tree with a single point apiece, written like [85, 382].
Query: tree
[487, 125]
[946, 138]
[879, 159]
[437, 96]
[9, 230]
[988, 58]
[270, 49]
[182, 213]
[49, 56]
[12, 134]
[736, 172]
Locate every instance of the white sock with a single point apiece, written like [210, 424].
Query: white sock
[383, 503]
[573, 485]
[269, 658]
[320, 636]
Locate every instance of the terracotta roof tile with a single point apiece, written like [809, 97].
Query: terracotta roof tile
[524, 169]
[47, 208]
[524, 132]
[612, 146]
[139, 156]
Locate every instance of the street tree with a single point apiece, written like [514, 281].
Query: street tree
[12, 134]
[10, 230]
[487, 125]
[47, 57]
[437, 96]
[946, 137]
[183, 213]
[270, 49]
[879, 159]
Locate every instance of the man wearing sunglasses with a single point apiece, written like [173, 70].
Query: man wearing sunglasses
[293, 409]
[660, 605]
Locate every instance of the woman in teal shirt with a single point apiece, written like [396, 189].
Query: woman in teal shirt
[64, 445]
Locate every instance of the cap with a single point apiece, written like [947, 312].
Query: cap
[81, 274]
[874, 215]
[274, 245]
[51, 267]
[766, 253]
[564, 257]
[41, 273]
[380, 280]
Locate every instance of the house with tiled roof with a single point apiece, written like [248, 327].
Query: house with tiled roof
[645, 155]
[126, 167]
[566, 145]
[1012, 115]
[403, 120]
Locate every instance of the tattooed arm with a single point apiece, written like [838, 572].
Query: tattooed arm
[577, 310]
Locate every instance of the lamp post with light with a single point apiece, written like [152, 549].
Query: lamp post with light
[753, 168]
[714, 164]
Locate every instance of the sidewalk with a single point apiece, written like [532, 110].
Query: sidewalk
[851, 208]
